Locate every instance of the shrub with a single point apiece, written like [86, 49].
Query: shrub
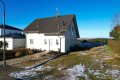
[84, 41]
[36, 51]
[22, 50]
[115, 32]
[103, 40]
[2, 44]
[18, 54]
[114, 46]
[30, 52]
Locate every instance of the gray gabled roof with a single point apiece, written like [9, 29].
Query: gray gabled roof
[10, 27]
[51, 25]
[14, 35]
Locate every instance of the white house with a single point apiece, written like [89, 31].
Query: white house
[58, 33]
[13, 36]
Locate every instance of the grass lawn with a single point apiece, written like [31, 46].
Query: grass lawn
[96, 59]
[92, 59]
[71, 59]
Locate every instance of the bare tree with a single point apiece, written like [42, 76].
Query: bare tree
[116, 20]
[115, 32]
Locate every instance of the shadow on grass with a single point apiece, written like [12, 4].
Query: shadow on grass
[86, 46]
[5, 72]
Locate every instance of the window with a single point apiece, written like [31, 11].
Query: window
[57, 41]
[31, 41]
[45, 41]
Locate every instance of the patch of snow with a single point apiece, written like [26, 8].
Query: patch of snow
[76, 71]
[83, 53]
[28, 67]
[27, 73]
[49, 77]
[115, 74]
[96, 72]
[61, 67]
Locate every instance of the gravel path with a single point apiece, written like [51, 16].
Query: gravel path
[24, 58]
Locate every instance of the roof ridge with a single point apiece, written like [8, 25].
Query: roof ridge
[54, 16]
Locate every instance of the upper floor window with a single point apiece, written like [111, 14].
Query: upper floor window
[31, 41]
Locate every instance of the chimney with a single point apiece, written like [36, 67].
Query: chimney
[56, 12]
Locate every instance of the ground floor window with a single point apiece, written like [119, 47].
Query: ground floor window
[31, 41]
[45, 41]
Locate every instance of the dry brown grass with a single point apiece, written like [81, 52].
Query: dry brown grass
[114, 46]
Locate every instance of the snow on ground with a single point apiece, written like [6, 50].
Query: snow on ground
[79, 71]
[114, 74]
[75, 72]
[28, 73]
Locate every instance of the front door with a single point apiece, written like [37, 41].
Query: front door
[50, 44]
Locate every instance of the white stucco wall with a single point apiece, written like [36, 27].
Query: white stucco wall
[70, 37]
[14, 43]
[67, 41]
[18, 43]
[10, 43]
[55, 46]
[39, 42]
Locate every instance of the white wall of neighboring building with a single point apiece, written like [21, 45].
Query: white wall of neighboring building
[9, 41]
[14, 43]
[18, 43]
[39, 42]
[9, 31]
[0, 32]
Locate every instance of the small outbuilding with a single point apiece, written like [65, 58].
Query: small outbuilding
[13, 36]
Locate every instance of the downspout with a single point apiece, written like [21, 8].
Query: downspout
[49, 45]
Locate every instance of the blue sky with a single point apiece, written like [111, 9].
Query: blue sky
[94, 17]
